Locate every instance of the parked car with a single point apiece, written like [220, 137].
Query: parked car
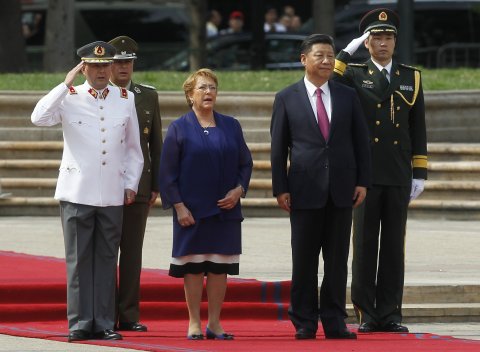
[232, 52]
[160, 27]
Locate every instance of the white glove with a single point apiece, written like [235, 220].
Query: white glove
[354, 44]
[418, 185]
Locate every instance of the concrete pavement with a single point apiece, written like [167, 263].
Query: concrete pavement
[439, 252]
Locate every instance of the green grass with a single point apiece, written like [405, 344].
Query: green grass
[265, 81]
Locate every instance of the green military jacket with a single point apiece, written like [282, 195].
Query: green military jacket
[395, 115]
[149, 122]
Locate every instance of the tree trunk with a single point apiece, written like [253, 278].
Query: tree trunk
[197, 10]
[59, 36]
[13, 57]
[323, 16]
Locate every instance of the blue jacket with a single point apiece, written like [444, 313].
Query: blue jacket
[193, 172]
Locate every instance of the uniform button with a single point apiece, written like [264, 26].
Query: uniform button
[103, 129]
[123, 124]
[395, 142]
[79, 122]
[379, 106]
[398, 108]
[121, 141]
[104, 152]
[104, 162]
[104, 141]
[377, 122]
[148, 170]
[101, 107]
[326, 166]
[397, 125]
[102, 118]
[376, 140]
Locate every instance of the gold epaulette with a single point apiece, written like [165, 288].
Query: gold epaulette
[410, 67]
[124, 93]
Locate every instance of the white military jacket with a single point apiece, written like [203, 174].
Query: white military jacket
[101, 155]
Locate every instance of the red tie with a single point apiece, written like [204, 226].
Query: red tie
[322, 116]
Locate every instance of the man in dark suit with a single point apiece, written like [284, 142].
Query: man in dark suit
[392, 99]
[135, 215]
[320, 125]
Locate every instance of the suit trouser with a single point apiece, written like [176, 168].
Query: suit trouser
[92, 236]
[378, 267]
[130, 265]
[326, 229]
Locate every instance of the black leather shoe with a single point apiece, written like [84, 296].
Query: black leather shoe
[368, 327]
[394, 327]
[107, 334]
[342, 334]
[303, 334]
[133, 326]
[79, 335]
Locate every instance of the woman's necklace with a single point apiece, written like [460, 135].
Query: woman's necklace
[205, 130]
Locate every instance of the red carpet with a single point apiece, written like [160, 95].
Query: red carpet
[32, 304]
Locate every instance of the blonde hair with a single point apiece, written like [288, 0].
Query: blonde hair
[191, 81]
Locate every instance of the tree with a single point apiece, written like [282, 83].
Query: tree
[323, 16]
[197, 10]
[13, 57]
[59, 36]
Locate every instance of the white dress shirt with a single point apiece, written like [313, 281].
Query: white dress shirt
[312, 96]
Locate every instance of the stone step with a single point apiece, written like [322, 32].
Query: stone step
[256, 207]
[245, 121]
[54, 133]
[433, 313]
[18, 149]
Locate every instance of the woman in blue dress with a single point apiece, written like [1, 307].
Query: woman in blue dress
[205, 169]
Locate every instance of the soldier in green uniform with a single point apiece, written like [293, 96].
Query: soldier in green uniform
[135, 215]
[392, 98]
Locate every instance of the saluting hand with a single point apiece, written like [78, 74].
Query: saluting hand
[353, 46]
[70, 78]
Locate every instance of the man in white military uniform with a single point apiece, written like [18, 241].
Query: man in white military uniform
[99, 173]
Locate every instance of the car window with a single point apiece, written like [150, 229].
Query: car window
[232, 56]
[283, 50]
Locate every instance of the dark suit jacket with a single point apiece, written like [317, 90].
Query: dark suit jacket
[192, 172]
[149, 122]
[318, 168]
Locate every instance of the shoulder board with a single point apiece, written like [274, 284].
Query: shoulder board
[410, 67]
[72, 90]
[124, 93]
[147, 86]
[357, 65]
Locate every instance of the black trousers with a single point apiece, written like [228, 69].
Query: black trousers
[130, 262]
[378, 267]
[326, 229]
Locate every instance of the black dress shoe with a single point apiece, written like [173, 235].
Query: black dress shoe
[107, 334]
[79, 335]
[367, 327]
[394, 327]
[342, 334]
[303, 334]
[133, 326]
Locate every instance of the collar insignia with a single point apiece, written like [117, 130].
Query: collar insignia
[93, 93]
[123, 93]
[137, 90]
[370, 72]
[72, 90]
